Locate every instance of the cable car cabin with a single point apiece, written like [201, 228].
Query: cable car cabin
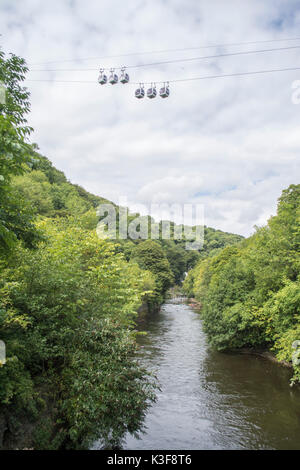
[151, 92]
[164, 92]
[113, 78]
[102, 78]
[124, 77]
[140, 93]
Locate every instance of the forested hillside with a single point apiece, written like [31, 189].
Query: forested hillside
[250, 293]
[49, 194]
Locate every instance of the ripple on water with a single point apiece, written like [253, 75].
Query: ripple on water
[210, 400]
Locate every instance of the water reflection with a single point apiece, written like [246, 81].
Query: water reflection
[210, 400]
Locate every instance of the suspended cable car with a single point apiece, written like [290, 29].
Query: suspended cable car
[140, 92]
[124, 76]
[151, 92]
[113, 78]
[102, 77]
[164, 92]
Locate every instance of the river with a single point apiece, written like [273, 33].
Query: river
[210, 400]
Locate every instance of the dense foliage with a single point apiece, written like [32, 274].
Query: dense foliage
[67, 312]
[150, 256]
[16, 221]
[67, 303]
[250, 292]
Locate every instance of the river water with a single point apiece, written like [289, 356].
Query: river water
[210, 400]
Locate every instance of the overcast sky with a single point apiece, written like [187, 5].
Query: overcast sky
[231, 144]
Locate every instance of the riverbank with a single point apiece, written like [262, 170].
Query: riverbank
[263, 353]
[193, 303]
[211, 400]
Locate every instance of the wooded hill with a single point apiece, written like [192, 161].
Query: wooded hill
[49, 194]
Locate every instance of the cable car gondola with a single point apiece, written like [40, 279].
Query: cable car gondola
[102, 77]
[164, 92]
[113, 78]
[124, 76]
[140, 92]
[151, 92]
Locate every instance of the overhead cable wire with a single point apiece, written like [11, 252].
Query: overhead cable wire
[173, 61]
[163, 51]
[205, 77]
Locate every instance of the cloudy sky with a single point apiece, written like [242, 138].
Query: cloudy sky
[231, 144]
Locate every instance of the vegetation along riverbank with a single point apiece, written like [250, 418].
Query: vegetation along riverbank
[250, 292]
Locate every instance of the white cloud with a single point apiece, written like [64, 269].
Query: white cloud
[229, 143]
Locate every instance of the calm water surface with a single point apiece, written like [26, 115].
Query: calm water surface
[210, 400]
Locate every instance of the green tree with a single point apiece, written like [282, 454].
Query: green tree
[67, 317]
[16, 220]
[149, 255]
[178, 259]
